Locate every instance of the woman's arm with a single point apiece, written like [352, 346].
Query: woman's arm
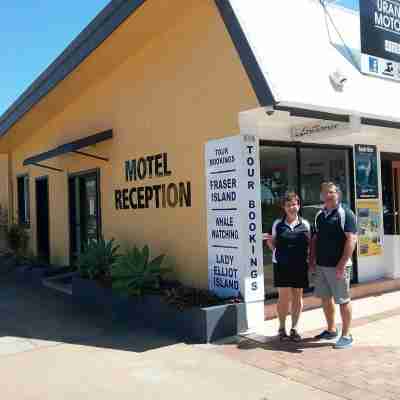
[312, 262]
[270, 241]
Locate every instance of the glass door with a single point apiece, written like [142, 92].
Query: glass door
[396, 196]
[278, 175]
[84, 211]
[322, 165]
[299, 168]
[42, 219]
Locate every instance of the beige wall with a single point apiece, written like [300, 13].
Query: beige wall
[184, 87]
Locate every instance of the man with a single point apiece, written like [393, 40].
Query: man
[332, 247]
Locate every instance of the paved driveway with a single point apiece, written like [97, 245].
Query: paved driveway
[52, 349]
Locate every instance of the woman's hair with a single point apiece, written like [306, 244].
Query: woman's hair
[288, 197]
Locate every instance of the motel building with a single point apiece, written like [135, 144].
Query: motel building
[180, 124]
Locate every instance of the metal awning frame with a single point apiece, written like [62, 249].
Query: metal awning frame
[71, 147]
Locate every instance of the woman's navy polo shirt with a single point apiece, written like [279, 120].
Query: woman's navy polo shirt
[291, 241]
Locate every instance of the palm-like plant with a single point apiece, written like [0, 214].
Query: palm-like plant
[133, 273]
[96, 260]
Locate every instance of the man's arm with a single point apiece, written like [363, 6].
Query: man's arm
[350, 230]
[349, 247]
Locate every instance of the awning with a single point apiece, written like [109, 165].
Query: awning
[290, 50]
[71, 147]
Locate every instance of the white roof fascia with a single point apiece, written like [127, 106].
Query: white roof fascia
[298, 45]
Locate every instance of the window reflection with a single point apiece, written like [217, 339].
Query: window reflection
[301, 170]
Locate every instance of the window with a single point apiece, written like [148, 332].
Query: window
[390, 170]
[299, 168]
[278, 175]
[317, 166]
[23, 199]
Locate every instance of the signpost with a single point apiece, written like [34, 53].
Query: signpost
[235, 256]
[380, 38]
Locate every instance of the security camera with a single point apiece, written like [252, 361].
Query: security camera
[269, 110]
[338, 80]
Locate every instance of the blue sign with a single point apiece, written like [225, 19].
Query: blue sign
[380, 29]
[373, 65]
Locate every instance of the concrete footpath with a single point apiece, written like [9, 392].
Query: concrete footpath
[51, 349]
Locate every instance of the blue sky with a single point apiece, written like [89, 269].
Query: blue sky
[34, 32]
[353, 4]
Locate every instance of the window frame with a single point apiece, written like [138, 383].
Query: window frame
[301, 145]
[24, 216]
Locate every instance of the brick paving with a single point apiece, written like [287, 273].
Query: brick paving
[368, 371]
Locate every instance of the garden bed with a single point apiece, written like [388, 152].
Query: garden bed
[192, 323]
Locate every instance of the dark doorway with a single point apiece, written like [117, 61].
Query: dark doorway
[84, 205]
[42, 219]
[390, 167]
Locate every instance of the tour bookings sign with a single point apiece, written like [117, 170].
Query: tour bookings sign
[380, 38]
[235, 257]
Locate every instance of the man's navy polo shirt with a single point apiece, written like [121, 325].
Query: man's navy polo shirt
[330, 228]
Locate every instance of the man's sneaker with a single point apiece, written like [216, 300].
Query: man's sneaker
[283, 337]
[294, 336]
[326, 335]
[344, 342]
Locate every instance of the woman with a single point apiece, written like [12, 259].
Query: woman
[289, 243]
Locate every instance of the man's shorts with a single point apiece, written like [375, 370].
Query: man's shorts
[327, 285]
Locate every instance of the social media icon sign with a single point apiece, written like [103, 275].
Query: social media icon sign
[373, 65]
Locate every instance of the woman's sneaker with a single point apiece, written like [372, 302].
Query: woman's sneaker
[294, 336]
[345, 342]
[327, 335]
[283, 337]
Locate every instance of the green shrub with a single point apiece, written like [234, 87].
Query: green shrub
[3, 216]
[96, 260]
[133, 274]
[18, 239]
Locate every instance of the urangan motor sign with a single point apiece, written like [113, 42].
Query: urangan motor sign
[380, 38]
[235, 258]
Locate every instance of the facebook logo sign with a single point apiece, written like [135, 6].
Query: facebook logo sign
[373, 65]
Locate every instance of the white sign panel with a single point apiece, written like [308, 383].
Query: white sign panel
[235, 259]
[324, 129]
[380, 67]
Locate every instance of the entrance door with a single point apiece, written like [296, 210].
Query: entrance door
[300, 168]
[396, 196]
[42, 218]
[84, 211]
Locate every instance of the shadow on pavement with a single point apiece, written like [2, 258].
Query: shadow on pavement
[288, 347]
[42, 316]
